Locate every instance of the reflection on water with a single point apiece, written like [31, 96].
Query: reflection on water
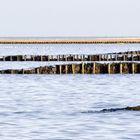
[40, 107]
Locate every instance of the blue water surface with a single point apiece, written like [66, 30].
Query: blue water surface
[55, 107]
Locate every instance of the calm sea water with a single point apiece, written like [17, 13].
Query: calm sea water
[55, 107]
[56, 49]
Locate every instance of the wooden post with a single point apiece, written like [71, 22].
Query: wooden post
[83, 68]
[24, 57]
[38, 72]
[12, 72]
[60, 69]
[81, 57]
[90, 58]
[66, 69]
[65, 57]
[132, 57]
[48, 57]
[57, 57]
[133, 68]
[3, 58]
[99, 57]
[94, 68]
[77, 58]
[11, 58]
[41, 58]
[18, 58]
[33, 58]
[111, 57]
[116, 57]
[22, 71]
[73, 57]
[73, 68]
[108, 68]
[120, 68]
[107, 57]
[123, 57]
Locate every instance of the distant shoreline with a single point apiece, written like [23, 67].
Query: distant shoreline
[68, 40]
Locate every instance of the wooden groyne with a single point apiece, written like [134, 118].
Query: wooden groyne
[126, 56]
[82, 68]
[68, 40]
[115, 63]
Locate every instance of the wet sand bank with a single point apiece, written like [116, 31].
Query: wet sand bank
[68, 40]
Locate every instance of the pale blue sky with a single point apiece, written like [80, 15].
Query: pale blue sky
[47, 18]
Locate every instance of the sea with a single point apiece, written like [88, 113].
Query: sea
[67, 107]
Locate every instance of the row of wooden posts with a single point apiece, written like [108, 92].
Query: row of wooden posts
[82, 68]
[99, 57]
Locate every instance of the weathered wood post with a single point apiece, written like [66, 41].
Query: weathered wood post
[38, 71]
[107, 57]
[33, 57]
[73, 68]
[133, 68]
[65, 57]
[41, 58]
[24, 57]
[116, 57]
[123, 57]
[60, 69]
[94, 68]
[66, 68]
[22, 71]
[120, 68]
[3, 58]
[99, 57]
[48, 57]
[18, 58]
[81, 57]
[108, 68]
[12, 71]
[11, 58]
[90, 58]
[132, 56]
[72, 57]
[83, 68]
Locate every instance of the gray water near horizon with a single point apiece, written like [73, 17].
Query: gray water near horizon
[55, 107]
[65, 49]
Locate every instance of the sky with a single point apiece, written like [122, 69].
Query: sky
[69, 18]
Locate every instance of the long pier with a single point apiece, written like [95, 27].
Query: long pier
[68, 40]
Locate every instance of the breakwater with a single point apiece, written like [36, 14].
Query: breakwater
[122, 56]
[55, 61]
[81, 68]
